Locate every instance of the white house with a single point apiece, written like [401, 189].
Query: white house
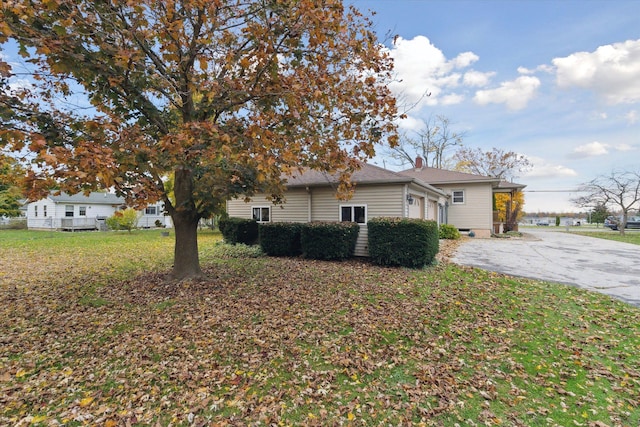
[79, 212]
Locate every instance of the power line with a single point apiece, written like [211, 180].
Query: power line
[554, 191]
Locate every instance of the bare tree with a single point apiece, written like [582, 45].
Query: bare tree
[620, 190]
[431, 143]
[496, 163]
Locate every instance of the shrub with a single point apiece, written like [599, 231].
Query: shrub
[123, 220]
[239, 230]
[402, 242]
[448, 231]
[239, 250]
[329, 240]
[280, 238]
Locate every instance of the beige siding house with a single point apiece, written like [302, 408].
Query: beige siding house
[469, 204]
[460, 199]
[311, 196]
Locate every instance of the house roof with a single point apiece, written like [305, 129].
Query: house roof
[441, 176]
[367, 174]
[91, 199]
[435, 176]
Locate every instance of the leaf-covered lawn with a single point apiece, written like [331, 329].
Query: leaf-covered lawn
[268, 341]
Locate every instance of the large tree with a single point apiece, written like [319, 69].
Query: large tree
[432, 143]
[619, 190]
[496, 163]
[226, 96]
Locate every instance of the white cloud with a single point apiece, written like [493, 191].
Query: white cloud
[592, 149]
[596, 148]
[543, 169]
[611, 71]
[411, 123]
[452, 99]
[624, 147]
[477, 78]
[516, 94]
[632, 117]
[423, 68]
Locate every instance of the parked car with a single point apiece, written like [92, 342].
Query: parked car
[543, 223]
[613, 222]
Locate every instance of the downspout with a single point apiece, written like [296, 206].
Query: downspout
[309, 201]
[405, 206]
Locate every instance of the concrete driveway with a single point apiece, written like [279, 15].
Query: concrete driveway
[605, 266]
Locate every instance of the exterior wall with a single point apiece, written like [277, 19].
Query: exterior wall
[476, 213]
[149, 220]
[56, 213]
[320, 204]
[295, 208]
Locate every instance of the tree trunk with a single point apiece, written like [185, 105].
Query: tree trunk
[186, 262]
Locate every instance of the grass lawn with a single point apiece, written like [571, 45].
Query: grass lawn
[630, 236]
[92, 333]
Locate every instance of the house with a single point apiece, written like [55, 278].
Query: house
[311, 196]
[85, 212]
[470, 197]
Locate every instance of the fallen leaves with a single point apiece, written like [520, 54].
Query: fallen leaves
[291, 341]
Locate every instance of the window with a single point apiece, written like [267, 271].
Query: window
[68, 211]
[353, 214]
[261, 214]
[44, 211]
[151, 210]
[35, 211]
[458, 197]
[82, 211]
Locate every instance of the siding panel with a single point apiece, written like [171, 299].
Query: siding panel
[477, 211]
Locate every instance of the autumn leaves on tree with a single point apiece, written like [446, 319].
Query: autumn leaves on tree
[227, 97]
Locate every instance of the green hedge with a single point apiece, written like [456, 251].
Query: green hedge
[280, 238]
[239, 230]
[402, 242]
[448, 231]
[329, 240]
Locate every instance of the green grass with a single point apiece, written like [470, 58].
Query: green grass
[630, 236]
[93, 333]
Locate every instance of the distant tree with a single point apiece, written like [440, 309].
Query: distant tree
[228, 96]
[431, 143]
[599, 213]
[620, 190]
[496, 163]
[11, 186]
[509, 208]
[124, 220]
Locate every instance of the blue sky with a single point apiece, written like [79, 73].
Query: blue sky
[557, 81]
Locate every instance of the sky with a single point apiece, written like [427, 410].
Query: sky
[555, 80]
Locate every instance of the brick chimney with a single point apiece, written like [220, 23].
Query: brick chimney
[418, 163]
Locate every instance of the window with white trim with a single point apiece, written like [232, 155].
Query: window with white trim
[44, 211]
[457, 197]
[150, 210]
[68, 211]
[82, 211]
[261, 213]
[353, 213]
[35, 211]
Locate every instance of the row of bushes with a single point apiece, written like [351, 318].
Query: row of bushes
[316, 240]
[392, 241]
